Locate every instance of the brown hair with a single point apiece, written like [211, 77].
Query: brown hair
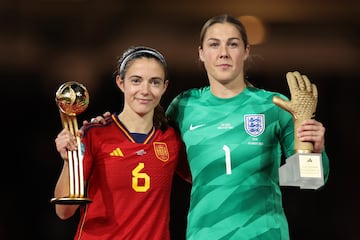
[225, 18]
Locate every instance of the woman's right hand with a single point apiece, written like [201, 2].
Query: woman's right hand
[65, 141]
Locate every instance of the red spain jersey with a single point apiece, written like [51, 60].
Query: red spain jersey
[129, 183]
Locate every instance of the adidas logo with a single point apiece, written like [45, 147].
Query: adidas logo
[117, 153]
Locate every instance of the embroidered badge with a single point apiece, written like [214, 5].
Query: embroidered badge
[254, 124]
[161, 151]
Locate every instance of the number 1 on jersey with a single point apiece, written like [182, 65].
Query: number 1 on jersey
[227, 159]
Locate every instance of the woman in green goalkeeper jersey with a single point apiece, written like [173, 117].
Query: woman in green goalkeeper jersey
[235, 137]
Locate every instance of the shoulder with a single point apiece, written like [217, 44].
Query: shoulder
[92, 127]
[264, 94]
[193, 92]
[169, 130]
[185, 98]
[169, 134]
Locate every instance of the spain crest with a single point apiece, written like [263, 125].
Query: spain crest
[161, 151]
[254, 124]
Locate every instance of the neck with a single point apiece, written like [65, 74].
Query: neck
[226, 89]
[136, 123]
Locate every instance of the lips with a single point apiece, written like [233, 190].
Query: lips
[224, 65]
[141, 100]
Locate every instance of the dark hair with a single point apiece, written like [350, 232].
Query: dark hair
[139, 52]
[225, 18]
[159, 119]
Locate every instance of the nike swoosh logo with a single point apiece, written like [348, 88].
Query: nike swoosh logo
[196, 126]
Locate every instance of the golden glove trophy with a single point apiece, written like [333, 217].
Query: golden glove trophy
[72, 99]
[304, 168]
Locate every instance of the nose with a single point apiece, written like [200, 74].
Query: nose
[145, 88]
[224, 52]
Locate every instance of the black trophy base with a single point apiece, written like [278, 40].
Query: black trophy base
[71, 200]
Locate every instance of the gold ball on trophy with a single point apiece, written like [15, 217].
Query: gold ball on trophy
[72, 98]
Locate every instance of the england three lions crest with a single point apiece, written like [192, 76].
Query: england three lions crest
[254, 124]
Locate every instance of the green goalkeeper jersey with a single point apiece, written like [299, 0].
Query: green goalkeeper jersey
[234, 148]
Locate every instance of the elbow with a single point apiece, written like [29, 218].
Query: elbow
[63, 216]
[64, 212]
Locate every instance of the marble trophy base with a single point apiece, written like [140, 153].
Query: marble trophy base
[302, 170]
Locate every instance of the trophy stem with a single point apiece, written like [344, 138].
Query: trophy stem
[75, 164]
[81, 170]
[71, 173]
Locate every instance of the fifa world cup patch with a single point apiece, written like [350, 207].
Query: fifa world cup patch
[161, 151]
[254, 124]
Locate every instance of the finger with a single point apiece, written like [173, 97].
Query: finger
[315, 91]
[62, 144]
[278, 101]
[281, 102]
[308, 85]
[73, 143]
[311, 125]
[66, 140]
[81, 132]
[101, 120]
[106, 114]
[292, 82]
[300, 81]
[63, 132]
[96, 119]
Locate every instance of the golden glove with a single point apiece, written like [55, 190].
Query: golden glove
[302, 106]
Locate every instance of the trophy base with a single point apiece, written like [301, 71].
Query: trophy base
[70, 200]
[302, 170]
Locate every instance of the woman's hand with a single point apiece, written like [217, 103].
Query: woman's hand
[65, 141]
[98, 119]
[312, 131]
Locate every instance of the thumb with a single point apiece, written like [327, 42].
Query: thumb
[64, 155]
[282, 103]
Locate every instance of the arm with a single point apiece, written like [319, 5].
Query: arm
[64, 141]
[183, 168]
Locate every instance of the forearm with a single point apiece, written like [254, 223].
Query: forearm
[62, 189]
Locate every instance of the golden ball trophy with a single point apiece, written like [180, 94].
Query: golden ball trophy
[72, 98]
[304, 168]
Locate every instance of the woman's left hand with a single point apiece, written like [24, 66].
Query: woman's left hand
[312, 131]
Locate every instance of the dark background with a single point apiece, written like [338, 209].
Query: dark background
[44, 43]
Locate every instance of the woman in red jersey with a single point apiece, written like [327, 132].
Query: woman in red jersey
[129, 161]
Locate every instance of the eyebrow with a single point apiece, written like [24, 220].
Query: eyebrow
[141, 77]
[216, 39]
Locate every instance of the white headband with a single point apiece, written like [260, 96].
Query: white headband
[136, 53]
